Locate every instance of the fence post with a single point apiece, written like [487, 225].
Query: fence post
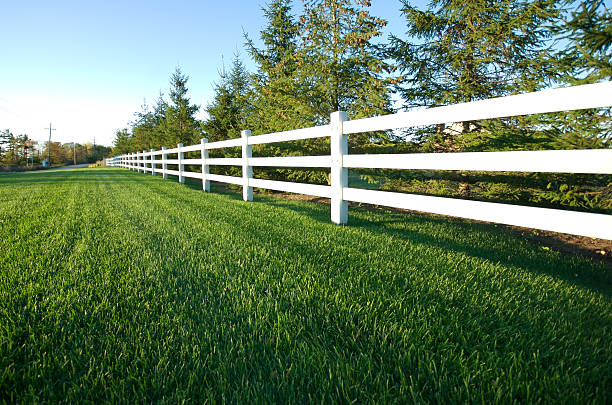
[139, 163]
[164, 164]
[247, 171]
[339, 174]
[152, 164]
[181, 155]
[204, 156]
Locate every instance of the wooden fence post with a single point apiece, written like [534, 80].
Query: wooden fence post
[164, 165]
[247, 171]
[144, 162]
[204, 156]
[181, 155]
[339, 174]
[152, 164]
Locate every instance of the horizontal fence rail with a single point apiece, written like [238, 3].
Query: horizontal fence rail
[339, 161]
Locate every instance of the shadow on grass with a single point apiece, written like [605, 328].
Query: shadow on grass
[230, 334]
[577, 271]
[484, 240]
[333, 330]
[484, 243]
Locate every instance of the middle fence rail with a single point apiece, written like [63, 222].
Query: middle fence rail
[594, 161]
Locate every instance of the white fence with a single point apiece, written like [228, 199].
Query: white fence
[339, 161]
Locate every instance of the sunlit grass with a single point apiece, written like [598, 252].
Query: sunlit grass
[117, 286]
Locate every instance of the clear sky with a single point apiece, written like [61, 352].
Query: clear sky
[86, 66]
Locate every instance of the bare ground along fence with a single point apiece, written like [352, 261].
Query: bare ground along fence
[597, 161]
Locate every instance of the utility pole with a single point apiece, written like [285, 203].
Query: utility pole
[49, 144]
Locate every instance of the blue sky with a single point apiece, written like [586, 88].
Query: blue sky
[86, 66]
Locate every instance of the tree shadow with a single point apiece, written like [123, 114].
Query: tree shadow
[490, 242]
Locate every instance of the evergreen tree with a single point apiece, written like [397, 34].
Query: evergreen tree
[586, 58]
[123, 142]
[5, 141]
[159, 121]
[180, 121]
[589, 33]
[338, 60]
[229, 110]
[279, 101]
[143, 129]
[465, 51]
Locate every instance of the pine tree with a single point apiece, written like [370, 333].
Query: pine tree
[159, 121]
[229, 111]
[143, 129]
[279, 101]
[338, 60]
[465, 51]
[123, 142]
[5, 141]
[587, 31]
[181, 124]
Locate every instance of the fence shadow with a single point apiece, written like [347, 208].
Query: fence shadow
[484, 241]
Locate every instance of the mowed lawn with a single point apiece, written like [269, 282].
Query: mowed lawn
[124, 287]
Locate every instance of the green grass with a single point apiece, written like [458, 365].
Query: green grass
[123, 287]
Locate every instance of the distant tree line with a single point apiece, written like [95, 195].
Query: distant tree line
[332, 56]
[14, 148]
[17, 150]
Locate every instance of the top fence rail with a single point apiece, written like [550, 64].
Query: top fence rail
[599, 161]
